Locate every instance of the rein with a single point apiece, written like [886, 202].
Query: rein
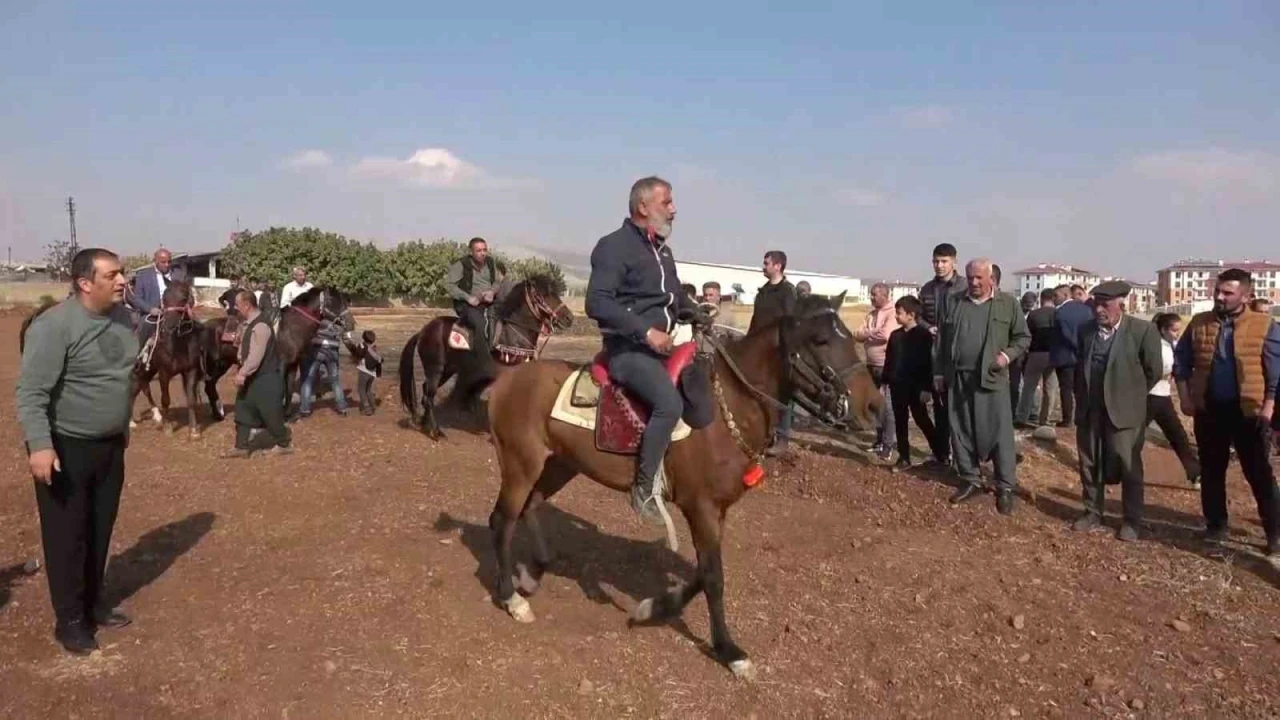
[542, 313]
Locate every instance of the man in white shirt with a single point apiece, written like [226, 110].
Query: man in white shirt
[294, 288]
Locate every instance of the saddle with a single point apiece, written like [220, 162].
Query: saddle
[620, 418]
[460, 336]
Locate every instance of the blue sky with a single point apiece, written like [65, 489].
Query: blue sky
[855, 136]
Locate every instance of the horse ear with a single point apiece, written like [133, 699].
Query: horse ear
[838, 300]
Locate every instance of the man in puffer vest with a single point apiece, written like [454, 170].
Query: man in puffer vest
[1227, 365]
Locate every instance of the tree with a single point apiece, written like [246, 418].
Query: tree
[58, 259]
[133, 262]
[330, 259]
[525, 267]
[419, 268]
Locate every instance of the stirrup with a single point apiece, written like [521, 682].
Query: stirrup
[656, 499]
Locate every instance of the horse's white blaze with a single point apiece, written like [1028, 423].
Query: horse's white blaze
[519, 608]
[743, 669]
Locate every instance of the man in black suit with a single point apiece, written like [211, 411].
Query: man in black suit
[1072, 315]
[1119, 361]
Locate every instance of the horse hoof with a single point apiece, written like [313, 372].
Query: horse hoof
[643, 612]
[168, 430]
[133, 425]
[195, 434]
[156, 417]
[743, 669]
[526, 583]
[519, 608]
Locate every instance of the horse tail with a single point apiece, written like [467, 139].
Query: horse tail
[407, 381]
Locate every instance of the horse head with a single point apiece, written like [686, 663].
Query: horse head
[325, 303]
[818, 351]
[537, 298]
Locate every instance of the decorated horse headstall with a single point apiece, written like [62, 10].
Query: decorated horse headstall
[540, 310]
[186, 322]
[324, 314]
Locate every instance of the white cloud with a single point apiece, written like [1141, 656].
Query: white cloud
[861, 197]
[307, 159]
[928, 116]
[1213, 170]
[431, 168]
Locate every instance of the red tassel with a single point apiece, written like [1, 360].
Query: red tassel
[753, 476]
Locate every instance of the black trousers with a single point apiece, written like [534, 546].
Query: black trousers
[1067, 391]
[1160, 411]
[77, 513]
[364, 388]
[642, 371]
[258, 406]
[941, 423]
[908, 399]
[474, 318]
[1217, 428]
[1015, 381]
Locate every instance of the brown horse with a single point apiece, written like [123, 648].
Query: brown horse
[804, 357]
[178, 351]
[298, 325]
[527, 315]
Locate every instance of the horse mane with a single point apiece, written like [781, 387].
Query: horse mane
[542, 284]
[26, 323]
[307, 297]
[177, 292]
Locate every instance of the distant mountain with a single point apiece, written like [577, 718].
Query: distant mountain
[576, 265]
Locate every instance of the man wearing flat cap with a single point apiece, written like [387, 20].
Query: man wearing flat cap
[1118, 364]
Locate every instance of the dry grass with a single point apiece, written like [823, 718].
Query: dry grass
[14, 294]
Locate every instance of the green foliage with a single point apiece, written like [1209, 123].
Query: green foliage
[419, 268]
[526, 267]
[413, 270]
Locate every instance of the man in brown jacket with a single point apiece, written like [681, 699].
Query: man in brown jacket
[1227, 365]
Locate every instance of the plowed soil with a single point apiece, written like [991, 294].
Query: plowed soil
[353, 580]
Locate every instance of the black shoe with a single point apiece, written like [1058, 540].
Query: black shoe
[76, 636]
[1272, 549]
[644, 501]
[1128, 533]
[110, 619]
[903, 465]
[1065, 424]
[1024, 425]
[1004, 502]
[968, 492]
[1086, 522]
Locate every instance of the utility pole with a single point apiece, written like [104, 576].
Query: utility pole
[71, 212]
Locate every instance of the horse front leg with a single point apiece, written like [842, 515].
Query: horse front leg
[215, 403]
[165, 378]
[707, 524]
[190, 393]
[434, 377]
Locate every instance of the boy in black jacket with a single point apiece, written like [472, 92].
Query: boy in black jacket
[908, 368]
[369, 367]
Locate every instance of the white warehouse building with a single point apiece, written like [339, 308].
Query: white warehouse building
[1050, 275]
[742, 281]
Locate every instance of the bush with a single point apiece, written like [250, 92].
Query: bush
[413, 271]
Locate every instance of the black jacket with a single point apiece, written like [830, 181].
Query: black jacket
[633, 285]
[772, 303]
[937, 297]
[908, 360]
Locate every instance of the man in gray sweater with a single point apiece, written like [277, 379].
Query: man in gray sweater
[74, 404]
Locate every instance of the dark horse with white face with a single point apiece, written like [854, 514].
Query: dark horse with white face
[526, 315]
[298, 325]
[178, 352]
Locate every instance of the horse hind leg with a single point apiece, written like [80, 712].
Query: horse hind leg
[521, 467]
[191, 391]
[165, 401]
[434, 377]
[555, 475]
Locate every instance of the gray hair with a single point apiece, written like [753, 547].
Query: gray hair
[984, 263]
[297, 269]
[643, 189]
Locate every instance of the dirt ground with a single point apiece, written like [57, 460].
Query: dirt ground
[353, 580]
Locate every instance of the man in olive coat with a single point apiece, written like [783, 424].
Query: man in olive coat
[982, 335]
[1118, 363]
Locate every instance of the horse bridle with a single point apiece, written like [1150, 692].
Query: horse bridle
[324, 314]
[831, 388]
[541, 311]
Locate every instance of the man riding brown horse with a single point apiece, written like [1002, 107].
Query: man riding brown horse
[634, 294]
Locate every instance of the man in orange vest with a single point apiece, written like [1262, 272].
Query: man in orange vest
[1227, 365]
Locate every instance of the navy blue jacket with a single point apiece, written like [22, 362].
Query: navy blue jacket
[1071, 319]
[633, 285]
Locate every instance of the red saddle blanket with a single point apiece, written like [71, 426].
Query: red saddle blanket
[620, 417]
